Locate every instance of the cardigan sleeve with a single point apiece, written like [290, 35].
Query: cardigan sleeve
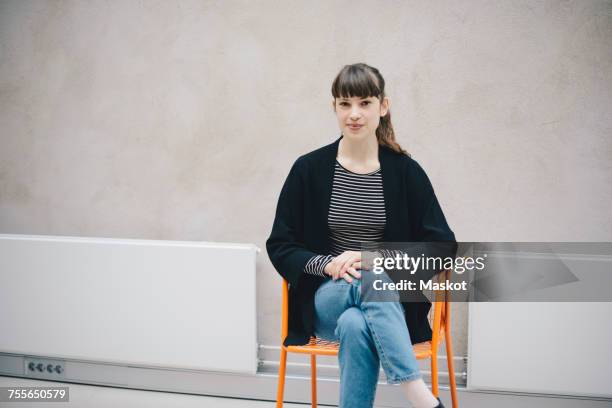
[285, 245]
[431, 225]
[430, 222]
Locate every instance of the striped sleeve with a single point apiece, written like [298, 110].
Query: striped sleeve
[390, 253]
[316, 265]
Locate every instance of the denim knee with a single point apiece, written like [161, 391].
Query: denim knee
[375, 288]
[351, 323]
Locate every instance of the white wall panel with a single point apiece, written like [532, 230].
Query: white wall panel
[143, 302]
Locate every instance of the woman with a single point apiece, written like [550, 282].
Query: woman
[362, 188]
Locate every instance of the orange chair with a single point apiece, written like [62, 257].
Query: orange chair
[429, 349]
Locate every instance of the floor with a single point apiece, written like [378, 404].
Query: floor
[91, 396]
[88, 396]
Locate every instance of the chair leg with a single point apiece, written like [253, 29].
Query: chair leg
[281, 378]
[313, 379]
[451, 368]
[434, 373]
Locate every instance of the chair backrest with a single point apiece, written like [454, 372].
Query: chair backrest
[285, 311]
[438, 316]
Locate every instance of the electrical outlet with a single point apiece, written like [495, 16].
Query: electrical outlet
[44, 368]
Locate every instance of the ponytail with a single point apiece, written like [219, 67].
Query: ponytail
[386, 135]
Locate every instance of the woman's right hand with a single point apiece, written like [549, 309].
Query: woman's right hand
[344, 266]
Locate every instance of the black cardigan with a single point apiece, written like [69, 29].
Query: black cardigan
[300, 230]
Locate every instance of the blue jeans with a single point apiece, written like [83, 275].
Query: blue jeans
[370, 334]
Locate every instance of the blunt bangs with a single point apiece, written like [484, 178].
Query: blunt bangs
[355, 80]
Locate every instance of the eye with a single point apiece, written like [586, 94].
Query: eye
[366, 103]
[343, 103]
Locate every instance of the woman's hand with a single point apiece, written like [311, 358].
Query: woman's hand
[345, 266]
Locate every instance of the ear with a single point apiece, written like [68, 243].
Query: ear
[384, 106]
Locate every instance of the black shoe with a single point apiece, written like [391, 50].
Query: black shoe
[440, 405]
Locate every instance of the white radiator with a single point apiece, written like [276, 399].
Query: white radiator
[560, 348]
[174, 304]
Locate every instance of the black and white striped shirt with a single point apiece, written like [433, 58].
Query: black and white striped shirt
[356, 215]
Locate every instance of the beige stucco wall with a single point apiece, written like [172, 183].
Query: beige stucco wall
[180, 120]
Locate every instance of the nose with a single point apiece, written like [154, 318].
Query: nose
[354, 114]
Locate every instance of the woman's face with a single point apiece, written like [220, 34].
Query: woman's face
[359, 117]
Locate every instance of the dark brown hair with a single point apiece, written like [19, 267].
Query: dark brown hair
[363, 81]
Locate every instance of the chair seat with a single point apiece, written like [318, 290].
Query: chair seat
[316, 346]
[330, 348]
